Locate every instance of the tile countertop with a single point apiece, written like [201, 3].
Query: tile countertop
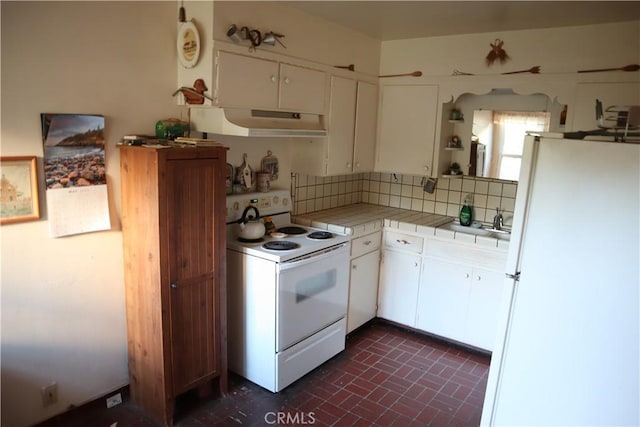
[362, 218]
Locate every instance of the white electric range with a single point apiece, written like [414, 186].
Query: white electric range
[287, 296]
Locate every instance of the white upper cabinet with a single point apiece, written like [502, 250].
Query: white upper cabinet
[407, 128]
[350, 144]
[247, 82]
[243, 81]
[342, 113]
[366, 125]
[302, 89]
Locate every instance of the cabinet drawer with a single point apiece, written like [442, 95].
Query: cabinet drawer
[365, 244]
[403, 241]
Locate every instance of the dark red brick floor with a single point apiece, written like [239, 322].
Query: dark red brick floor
[387, 376]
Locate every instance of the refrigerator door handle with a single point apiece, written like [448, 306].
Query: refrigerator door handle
[515, 277]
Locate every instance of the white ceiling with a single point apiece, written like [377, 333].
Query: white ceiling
[392, 20]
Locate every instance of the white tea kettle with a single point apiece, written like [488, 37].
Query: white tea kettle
[251, 228]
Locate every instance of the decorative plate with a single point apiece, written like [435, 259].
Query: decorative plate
[188, 44]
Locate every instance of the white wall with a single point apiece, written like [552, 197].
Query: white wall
[63, 312]
[555, 50]
[306, 36]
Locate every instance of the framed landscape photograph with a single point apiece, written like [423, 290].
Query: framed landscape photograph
[19, 189]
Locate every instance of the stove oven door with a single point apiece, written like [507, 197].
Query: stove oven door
[312, 294]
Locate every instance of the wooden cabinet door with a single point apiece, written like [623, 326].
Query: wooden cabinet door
[363, 290]
[190, 198]
[444, 298]
[302, 89]
[342, 112]
[365, 127]
[399, 281]
[407, 129]
[246, 82]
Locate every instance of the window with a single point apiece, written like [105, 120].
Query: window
[509, 129]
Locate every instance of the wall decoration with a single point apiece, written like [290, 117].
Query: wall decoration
[533, 70]
[413, 74]
[630, 67]
[188, 44]
[270, 164]
[75, 174]
[196, 94]
[255, 37]
[19, 189]
[497, 52]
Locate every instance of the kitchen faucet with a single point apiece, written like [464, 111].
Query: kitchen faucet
[498, 220]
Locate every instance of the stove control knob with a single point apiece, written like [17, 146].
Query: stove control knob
[276, 200]
[236, 206]
[285, 202]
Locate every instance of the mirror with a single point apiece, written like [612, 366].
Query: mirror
[492, 129]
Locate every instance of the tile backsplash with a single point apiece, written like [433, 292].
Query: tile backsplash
[311, 193]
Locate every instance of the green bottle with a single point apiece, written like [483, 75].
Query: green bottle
[466, 214]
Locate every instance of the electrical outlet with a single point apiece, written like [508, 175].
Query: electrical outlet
[49, 394]
[114, 400]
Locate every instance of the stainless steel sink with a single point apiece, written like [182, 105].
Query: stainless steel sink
[478, 230]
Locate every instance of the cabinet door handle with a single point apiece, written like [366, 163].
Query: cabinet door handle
[174, 286]
[403, 242]
[426, 167]
[415, 264]
[273, 79]
[286, 80]
[348, 165]
[367, 243]
[467, 276]
[354, 267]
[479, 278]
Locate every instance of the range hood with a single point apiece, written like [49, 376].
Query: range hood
[257, 123]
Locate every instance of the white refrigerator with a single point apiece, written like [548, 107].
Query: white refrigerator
[568, 346]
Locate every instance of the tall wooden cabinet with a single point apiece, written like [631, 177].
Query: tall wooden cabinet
[173, 223]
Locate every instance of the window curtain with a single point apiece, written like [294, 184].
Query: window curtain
[509, 129]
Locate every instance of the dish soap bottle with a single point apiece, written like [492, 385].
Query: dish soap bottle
[466, 213]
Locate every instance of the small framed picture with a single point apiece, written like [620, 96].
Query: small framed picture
[19, 189]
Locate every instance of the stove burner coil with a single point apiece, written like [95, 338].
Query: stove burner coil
[320, 235]
[292, 230]
[281, 245]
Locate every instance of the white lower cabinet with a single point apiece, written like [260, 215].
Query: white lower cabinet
[363, 290]
[443, 287]
[399, 282]
[459, 302]
[443, 298]
[363, 283]
[485, 300]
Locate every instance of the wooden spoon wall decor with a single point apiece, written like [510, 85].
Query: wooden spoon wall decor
[414, 74]
[349, 67]
[532, 70]
[630, 67]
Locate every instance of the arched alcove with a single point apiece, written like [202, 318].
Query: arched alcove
[475, 127]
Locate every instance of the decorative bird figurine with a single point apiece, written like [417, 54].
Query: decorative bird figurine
[194, 95]
[497, 53]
